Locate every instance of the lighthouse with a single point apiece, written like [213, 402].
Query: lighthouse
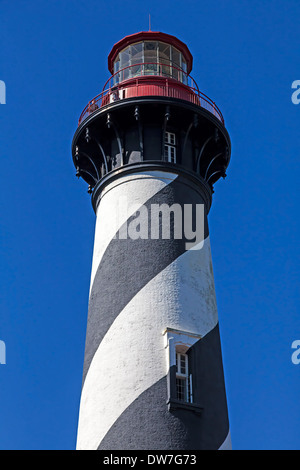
[151, 147]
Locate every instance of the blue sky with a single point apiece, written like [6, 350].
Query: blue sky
[53, 60]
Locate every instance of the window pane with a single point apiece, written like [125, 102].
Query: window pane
[164, 51]
[167, 158]
[124, 62]
[150, 46]
[165, 70]
[181, 389]
[176, 57]
[170, 138]
[182, 356]
[184, 68]
[116, 68]
[136, 53]
[117, 64]
[176, 64]
[124, 58]
[150, 58]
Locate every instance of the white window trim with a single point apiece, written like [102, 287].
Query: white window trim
[170, 145]
[185, 376]
[177, 341]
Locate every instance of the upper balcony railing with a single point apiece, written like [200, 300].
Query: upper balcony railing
[137, 80]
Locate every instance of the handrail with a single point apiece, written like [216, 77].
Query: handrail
[159, 74]
[189, 92]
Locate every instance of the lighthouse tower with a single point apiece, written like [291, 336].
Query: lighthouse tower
[151, 146]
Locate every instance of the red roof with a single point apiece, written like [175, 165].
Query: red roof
[146, 36]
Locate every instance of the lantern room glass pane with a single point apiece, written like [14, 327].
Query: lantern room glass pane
[124, 62]
[176, 57]
[137, 57]
[184, 68]
[150, 58]
[136, 52]
[176, 63]
[164, 58]
[116, 69]
[164, 51]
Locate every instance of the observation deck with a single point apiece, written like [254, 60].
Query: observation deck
[151, 79]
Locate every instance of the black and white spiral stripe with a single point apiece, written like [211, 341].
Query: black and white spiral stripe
[139, 288]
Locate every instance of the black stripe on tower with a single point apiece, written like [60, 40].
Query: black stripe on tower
[128, 265]
[146, 423]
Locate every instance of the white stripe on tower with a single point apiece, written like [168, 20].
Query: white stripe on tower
[227, 443]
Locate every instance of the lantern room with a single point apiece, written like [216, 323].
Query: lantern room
[150, 53]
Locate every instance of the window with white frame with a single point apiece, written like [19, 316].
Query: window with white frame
[170, 147]
[183, 379]
[181, 368]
